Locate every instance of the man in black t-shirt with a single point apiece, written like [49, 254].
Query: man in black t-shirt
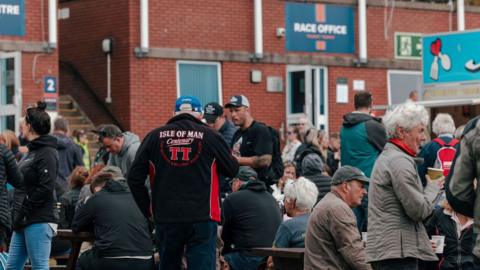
[252, 144]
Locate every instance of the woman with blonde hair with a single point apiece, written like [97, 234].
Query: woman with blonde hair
[312, 145]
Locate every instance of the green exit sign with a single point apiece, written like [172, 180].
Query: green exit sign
[408, 46]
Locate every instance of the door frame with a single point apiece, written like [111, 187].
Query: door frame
[16, 107]
[319, 119]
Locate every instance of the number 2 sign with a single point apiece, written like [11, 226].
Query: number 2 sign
[50, 84]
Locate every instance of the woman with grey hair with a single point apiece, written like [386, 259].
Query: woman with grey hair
[300, 197]
[443, 126]
[398, 203]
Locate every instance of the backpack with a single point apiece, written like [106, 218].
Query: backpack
[275, 171]
[445, 155]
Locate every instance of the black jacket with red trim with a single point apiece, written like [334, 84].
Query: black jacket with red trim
[184, 159]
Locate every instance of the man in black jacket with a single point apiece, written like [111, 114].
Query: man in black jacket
[184, 159]
[251, 217]
[122, 236]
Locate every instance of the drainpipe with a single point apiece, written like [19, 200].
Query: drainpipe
[461, 15]
[258, 29]
[144, 40]
[52, 24]
[362, 28]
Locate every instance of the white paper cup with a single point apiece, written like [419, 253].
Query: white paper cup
[439, 241]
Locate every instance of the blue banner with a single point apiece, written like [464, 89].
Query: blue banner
[319, 28]
[12, 17]
[451, 58]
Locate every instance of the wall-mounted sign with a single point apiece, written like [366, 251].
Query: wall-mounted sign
[50, 84]
[12, 17]
[408, 46]
[451, 65]
[319, 28]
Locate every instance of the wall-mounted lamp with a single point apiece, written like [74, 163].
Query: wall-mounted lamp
[107, 47]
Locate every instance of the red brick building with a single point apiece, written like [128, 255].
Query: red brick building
[28, 57]
[211, 45]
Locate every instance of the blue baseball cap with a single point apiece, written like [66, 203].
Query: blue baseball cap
[188, 104]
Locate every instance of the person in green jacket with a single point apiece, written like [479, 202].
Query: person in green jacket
[362, 139]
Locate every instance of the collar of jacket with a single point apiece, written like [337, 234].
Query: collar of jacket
[114, 186]
[185, 116]
[42, 141]
[254, 185]
[403, 146]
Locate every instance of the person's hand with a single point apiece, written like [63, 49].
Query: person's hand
[270, 263]
[439, 182]
[434, 245]
[336, 155]
[23, 149]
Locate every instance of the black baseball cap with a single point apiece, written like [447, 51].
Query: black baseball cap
[246, 173]
[348, 173]
[212, 111]
[238, 101]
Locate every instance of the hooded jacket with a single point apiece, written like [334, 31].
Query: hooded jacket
[303, 151]
[459, 185]
[312, 170]
[125, 158]
[251, 217]
[183, 159]
[34, 202]
[8, 173]
[117, 233]
[362, 139]
[69, 155]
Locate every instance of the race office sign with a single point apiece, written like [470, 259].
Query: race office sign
[12, 18]
[319, 28]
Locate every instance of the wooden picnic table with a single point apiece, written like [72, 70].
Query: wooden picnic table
[77, 239]
[283, 258]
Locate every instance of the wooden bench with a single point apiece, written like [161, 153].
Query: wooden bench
[283, 258]
[77, 239]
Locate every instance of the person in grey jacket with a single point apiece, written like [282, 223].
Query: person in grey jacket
[398, 203]
[312, 168]
[460, 189]
[121, 146]
[332, 240]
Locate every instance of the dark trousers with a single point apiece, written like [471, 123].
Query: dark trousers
[196, 240]
[90, 260]
[396, 264]
[361, 213]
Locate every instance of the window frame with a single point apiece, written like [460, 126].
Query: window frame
[206, 63]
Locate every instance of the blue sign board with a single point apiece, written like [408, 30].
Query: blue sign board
[319, 28]
[12, 18]
[451, 58]
[50, 84]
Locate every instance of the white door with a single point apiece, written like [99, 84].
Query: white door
[307, 95]
[10, 91]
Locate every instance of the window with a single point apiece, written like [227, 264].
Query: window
[401, 83]
[200, 79]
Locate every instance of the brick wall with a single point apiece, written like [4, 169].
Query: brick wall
[36, 30]
[144, 89]
[81, 38]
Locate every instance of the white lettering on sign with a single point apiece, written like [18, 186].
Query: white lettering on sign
[329, 29]
[9, 9]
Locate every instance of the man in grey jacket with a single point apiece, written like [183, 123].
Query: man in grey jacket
[460, 189]
[332, 240]
[121, 146]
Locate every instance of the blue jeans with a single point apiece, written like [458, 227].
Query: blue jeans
[34, 242]
[196, 240]
[238, 261]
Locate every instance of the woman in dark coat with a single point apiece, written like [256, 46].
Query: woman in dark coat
[8, 173]
[34, 219]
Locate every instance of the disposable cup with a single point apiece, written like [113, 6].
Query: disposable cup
[439, 243]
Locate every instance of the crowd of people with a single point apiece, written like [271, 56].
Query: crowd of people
[212, 183]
